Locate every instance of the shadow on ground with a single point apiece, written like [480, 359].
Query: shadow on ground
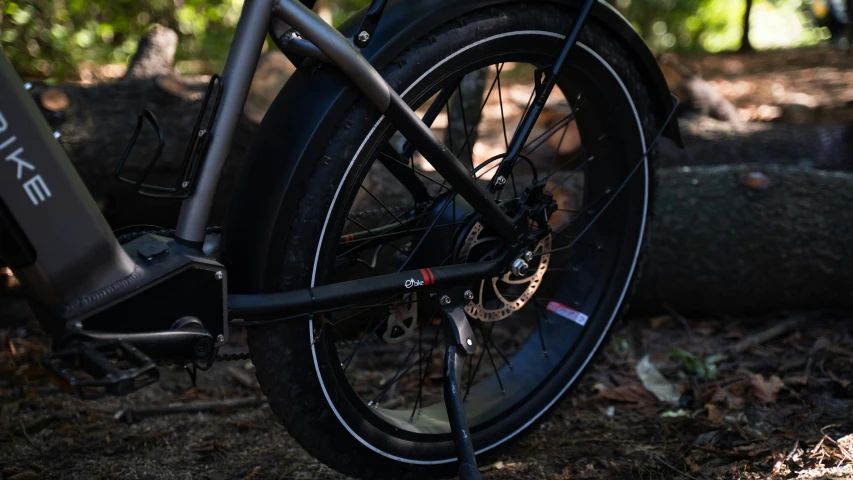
[758, 398]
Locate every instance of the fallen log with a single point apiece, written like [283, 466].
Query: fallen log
[749, 239]
[712, 142]
[96, 123]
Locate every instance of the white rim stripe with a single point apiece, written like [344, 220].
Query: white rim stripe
[615, 311]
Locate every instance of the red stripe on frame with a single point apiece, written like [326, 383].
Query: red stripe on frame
[426, 277]
[431, 277]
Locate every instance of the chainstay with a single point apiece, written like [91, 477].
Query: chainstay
[167, 232]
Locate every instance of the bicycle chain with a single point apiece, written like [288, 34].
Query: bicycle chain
[233, 357]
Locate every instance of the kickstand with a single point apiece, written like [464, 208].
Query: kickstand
[460, 341]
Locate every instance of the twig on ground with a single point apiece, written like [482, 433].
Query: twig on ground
[680, 318]
[769, 334]
[132, 414]
[843, 450]
[674, 469]
[28, 437]
[242, 377]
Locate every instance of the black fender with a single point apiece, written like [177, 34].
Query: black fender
[300, 122]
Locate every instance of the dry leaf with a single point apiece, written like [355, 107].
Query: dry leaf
[723, 397]
[801, 379]
[846, 443]
[756, 180]
[765, 391]
[656, 383]
[632, 393]
[660, 321]
[715, 414]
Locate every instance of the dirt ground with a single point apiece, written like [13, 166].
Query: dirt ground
[752, 398]
[757, 398]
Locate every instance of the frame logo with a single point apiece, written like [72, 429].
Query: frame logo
[35, 187]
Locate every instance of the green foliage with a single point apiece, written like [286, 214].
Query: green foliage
[62, 38]
[59, 38]
[716, 25]
[705, 368]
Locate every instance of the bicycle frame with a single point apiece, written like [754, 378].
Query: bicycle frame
[65, 252]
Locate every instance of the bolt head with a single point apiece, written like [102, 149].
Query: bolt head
[500, 181]
[78, 325]
[363, 37]
[220, 338]
[56, 135]
[202, 133]
[445, 300]
[470, 342]
[528, 256]
[519, 267]
[185, 184]
[28, 86]
[469, 295]
[219, 275]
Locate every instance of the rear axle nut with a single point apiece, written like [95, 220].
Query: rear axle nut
[519, 267]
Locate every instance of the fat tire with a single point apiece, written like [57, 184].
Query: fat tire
[282, 352]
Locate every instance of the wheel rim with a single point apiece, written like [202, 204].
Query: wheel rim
[527, 359]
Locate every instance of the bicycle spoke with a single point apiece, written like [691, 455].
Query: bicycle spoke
[490, 342]
[403, 174]
[420, 174]
[572, 173]
[349, 217]
[425, 235]
[419, 398]
[346, 363]
[606, 205]
[400, 222]
[537, 142]
[464, 129]
[432, 112]
[501, 103]
[491, 359]
[479, 115]
[398, 375]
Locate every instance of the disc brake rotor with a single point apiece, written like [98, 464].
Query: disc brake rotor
[492, 303]
[402, 320]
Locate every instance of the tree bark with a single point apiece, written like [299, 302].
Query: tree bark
[745, 45]
[97, 122]
[709, 142]
[749, 239]
[746, 220]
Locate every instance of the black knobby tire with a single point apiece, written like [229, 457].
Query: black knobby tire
[289, 362]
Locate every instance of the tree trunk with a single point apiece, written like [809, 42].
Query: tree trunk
[745, 45]
[463, 116]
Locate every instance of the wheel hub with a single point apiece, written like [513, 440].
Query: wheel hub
[499, 297]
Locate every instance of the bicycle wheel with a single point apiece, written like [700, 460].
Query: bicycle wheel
[360, 388]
